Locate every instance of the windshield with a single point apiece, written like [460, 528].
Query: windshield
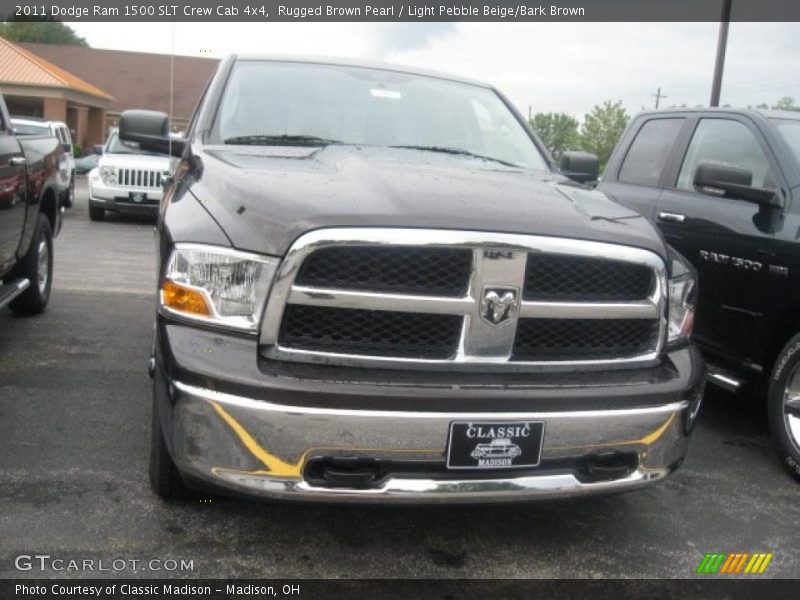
[115, 146]
[282, 103]
[30, 128]
[790, 130]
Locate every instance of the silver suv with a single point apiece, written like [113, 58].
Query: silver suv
[66, 168]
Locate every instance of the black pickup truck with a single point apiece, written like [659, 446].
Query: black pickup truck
[374, 285]
[723, 185]
[31, 198]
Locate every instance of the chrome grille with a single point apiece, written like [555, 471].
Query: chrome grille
[398, 269]
[578, 278]
[139, 178]
[412, 298]
[576, 339]
[378, 332]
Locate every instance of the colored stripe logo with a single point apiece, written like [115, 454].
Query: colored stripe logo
[735, 563]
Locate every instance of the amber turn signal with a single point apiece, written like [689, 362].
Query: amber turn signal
[184, 299]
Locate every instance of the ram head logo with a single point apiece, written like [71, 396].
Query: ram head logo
[498, 305]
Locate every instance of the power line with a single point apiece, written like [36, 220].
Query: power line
[753, 83]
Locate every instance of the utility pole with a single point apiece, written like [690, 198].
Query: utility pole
[722, 43]
[658, 96]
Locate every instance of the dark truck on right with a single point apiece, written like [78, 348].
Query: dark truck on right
[723, 185]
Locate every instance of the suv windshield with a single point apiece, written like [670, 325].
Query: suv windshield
[30, 128]
[115, 146]
[275, 103]
[790, 130]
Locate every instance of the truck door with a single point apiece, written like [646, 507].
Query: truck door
[638, 176]
[726, 239]
[12, 196]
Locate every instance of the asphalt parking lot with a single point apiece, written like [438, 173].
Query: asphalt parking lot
[74, 427]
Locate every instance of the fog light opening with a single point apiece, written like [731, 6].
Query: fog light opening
[356, 473]
[607, 467]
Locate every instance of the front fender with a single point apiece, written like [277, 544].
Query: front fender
[45, 189]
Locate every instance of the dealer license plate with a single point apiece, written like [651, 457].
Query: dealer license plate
[494, 445]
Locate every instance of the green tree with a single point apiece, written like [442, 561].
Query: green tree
[786, 103]
[43, 31]
[558, 132]
[602, 129]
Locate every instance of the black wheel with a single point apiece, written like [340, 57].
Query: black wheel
[69, 199]
[36, 267]
[96, 213]
[784, 406]
[165, 479]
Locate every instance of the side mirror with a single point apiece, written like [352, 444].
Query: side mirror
[582, 167]
[97, 149]
[150, 129]
[67, 148]
[729, 181]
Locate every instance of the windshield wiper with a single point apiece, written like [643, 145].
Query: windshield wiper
[281, 140]
[459, 152]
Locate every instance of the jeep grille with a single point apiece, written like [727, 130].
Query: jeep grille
[139, 178]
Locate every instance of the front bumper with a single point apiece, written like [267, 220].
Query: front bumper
[243, 427]
[119, 198]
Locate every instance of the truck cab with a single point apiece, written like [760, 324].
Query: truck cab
[723, 186]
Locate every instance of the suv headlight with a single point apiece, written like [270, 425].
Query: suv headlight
[682, 300]
[108, 175]
[218, 286]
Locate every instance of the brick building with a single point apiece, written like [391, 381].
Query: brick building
[35, 87]
[88, 88]
[135, 79]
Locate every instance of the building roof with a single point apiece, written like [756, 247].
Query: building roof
[22, 67]
[135, 79]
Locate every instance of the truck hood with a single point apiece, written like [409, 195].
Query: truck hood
[266, 197]
[145, 162]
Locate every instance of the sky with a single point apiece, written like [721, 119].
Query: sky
[560, 67]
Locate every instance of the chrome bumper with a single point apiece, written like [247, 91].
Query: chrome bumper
[259, 448]
[116, 197]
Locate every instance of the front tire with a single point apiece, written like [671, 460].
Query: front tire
[97, 213]
[165, 479]
[69, 199]
[36, 267]
[783, 400]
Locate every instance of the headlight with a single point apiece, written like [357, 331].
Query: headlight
[108, 175]
[682, 300]
[217, 285]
